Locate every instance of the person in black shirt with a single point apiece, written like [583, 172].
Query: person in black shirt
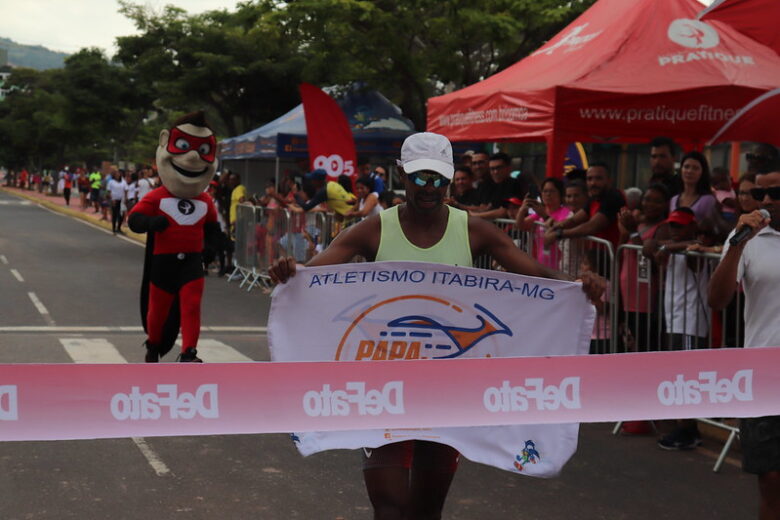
[662, 156]
[502, 188]
[462, 193]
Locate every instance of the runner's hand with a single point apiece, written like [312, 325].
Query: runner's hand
[282, 269]
[593, 286]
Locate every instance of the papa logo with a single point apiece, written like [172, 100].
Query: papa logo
[389, 330]
[529, 455]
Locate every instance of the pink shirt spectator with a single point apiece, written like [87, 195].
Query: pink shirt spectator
[722, 195]
[549, 256]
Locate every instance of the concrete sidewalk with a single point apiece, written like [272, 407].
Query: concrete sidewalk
[57, 203]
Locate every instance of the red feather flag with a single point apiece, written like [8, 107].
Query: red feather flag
[329, 136]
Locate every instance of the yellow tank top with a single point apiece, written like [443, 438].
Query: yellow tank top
[338, 198]
[453, 248]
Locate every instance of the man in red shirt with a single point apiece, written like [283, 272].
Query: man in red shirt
[177, 215]
[599, 217]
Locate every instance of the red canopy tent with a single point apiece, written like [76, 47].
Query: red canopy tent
[756, 121]
[624, 71]
[755, 18]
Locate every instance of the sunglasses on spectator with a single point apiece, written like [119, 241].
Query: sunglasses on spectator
[422, 178]
[756, 157]
[759, 193]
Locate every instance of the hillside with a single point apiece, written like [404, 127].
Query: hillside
[32, 56]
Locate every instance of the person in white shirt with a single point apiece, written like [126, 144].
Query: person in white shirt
[753, 263]
[132, 190]
[145, 184]
[368, 199]
[117, 189]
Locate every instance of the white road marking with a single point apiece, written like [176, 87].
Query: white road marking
[262, 330]
[15, 202]
[17, 275]
[3, 259]
[95, 350]
[126, 239]
[214, 351]
[41, 309]
[78, 329]
[100, 351]
[152, 458]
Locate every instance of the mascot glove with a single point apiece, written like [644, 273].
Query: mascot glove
[158, 223]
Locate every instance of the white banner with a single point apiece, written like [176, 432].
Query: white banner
[405, 310]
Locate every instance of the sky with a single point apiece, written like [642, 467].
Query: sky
[70, 25]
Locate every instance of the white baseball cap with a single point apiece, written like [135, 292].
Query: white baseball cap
[427, 151]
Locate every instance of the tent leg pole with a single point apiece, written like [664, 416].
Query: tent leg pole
[734, 163]
[555, 152]
[277, 173]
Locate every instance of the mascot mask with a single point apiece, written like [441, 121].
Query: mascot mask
[186, 156]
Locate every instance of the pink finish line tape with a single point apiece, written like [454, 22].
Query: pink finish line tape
[57, 402]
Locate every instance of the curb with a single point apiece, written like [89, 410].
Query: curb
[141, 239]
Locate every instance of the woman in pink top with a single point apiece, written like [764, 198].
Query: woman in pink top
[550, 209]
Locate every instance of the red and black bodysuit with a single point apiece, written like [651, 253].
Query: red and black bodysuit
[176, 266]
[177, 216]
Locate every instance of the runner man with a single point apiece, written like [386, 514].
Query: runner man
[410, 479]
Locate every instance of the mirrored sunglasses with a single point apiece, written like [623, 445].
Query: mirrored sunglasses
[422, 178]
[759, 193]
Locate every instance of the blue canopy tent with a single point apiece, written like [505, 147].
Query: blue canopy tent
[377, 124]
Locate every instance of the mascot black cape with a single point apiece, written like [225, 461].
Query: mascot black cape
[178, 216]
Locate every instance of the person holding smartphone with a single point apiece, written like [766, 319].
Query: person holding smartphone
[537, 216]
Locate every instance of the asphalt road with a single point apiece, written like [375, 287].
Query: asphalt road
[82, 277]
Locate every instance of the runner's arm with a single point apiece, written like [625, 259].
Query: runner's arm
[488, 238]
[361, 239]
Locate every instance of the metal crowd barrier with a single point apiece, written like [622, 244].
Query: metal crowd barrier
[264, 234]
[644, 309]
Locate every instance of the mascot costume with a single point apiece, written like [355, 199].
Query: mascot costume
[178, 216]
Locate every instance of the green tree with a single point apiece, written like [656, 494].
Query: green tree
[88, 111]
[106, 105]
[239, 66]
[414, 49]
[33, 120]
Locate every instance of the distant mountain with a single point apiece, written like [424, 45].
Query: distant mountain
[32, 56]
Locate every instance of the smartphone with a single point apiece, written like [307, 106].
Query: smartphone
[533, 191]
